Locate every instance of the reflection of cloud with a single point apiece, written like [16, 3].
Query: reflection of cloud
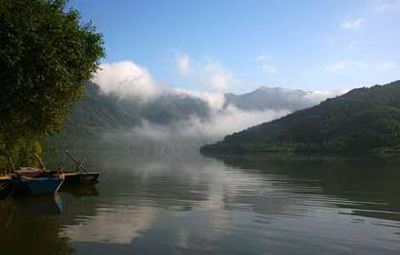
[113, 225]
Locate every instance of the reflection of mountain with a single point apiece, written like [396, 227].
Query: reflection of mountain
[199, 205]
[202, 206]
[371, 186]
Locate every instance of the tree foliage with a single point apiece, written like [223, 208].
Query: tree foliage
[46, 55]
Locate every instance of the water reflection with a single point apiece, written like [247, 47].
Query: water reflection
[32, 225]
[369, 187]
[232, 205]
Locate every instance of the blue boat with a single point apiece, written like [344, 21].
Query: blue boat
[42, 185]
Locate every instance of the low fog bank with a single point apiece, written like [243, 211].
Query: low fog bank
[185, 137]
[226, 113]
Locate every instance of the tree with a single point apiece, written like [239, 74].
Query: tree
[46, 55]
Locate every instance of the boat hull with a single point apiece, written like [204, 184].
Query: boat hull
[81, 178]
[36, 186]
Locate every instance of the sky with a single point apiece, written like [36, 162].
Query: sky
[239, 45]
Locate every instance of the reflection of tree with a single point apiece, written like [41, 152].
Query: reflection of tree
[22, 233]
[372, 184]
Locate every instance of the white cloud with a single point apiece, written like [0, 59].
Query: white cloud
[387, 6]
[126, 79]
[216, 76]
[344, 65]
[269, 69]
[352, 24]
[215, 100]
[385, 66]
[195, 132]
[208, 72]
[183, 64]
[261, 58]
[320, 95]
[353, 65]
[264, 63]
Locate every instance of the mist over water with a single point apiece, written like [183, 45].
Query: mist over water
[186, 137]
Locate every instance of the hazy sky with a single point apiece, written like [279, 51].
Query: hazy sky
[238, 45]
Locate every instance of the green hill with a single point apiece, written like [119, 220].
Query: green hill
[97, 113]
[361, 121]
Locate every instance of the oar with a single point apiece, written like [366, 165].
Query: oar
[79, 163]
[39, 159]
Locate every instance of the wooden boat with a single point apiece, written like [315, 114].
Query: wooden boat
[81, 178]
[30, 172]
[82, 175]
[69, 176]
[42, 185]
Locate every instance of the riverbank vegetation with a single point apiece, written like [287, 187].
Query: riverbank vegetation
[46, 56]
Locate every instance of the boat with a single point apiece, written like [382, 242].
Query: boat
[41, 185]
[30, 171]
[81, 178]
[82, 175]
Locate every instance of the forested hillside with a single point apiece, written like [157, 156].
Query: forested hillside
[363, 120]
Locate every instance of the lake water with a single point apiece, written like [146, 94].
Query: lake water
[198, 205]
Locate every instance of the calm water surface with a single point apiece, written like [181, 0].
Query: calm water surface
[197, 205]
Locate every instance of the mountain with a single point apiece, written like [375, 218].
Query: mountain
[362, 120]
[270, 98]
[98, 112]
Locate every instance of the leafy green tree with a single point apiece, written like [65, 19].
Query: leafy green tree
[46, 55]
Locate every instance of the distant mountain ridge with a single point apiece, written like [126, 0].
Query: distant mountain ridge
[98, 112]
[362, 120]
[273, 98]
